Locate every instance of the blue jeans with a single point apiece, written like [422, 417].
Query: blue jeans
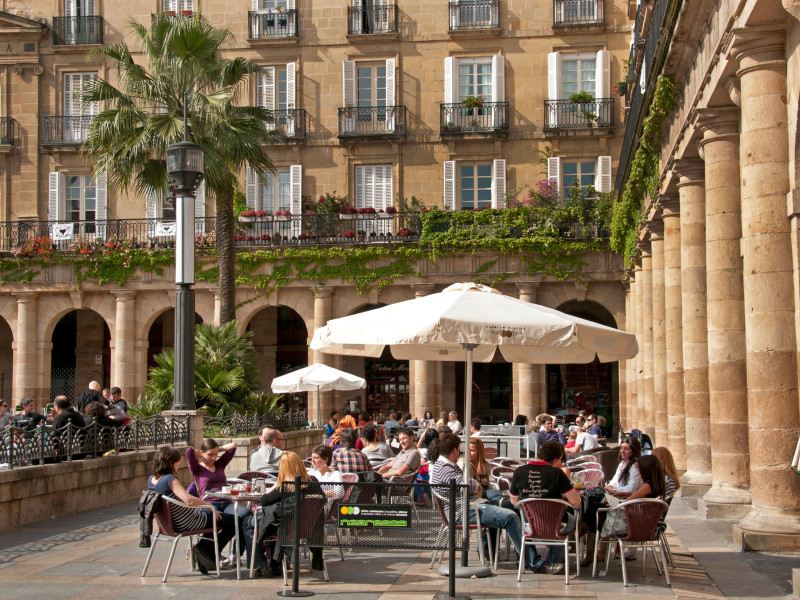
[503, 518]
[246, 532]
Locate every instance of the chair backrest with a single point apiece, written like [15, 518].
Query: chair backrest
[500, 472]
[192, 489]
[511, 462]
[543, 516]
[643, 516]
[163, 517]
[250, 475]
[590, 478]
[490, 452]
[310, 505]
[503, 483]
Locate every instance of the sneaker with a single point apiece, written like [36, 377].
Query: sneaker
[537, 567]
[555, 568]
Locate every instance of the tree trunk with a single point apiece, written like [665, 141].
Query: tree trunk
[226, 255]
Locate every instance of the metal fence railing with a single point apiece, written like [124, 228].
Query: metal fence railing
[474, 14]
[563, 114]
[455, 118]
[578, 12]
[371, 121]
[363, 20]
[77, 30]
[66, 130]
[249, 424]
[19, 447]
[291, 122]
[272, 25]
[7, 131]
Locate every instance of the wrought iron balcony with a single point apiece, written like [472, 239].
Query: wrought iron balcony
[577, 12]
[75, 31]
[291, 122]
[474, 14]
[265, 25]
[7, 131]
[66, 130]
[372, 122]
[371, 19]
[490, 118]
[563, 114]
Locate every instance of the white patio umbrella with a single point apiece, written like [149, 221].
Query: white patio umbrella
[469, 322]
[318, 377]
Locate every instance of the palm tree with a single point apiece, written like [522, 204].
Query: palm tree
[143, 115]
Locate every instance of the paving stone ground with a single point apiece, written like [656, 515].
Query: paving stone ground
[95, 555]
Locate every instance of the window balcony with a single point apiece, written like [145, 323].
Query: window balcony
[7, 131]
[291, 123]
[66, 130]
[271, 25]
[469, 15]
[183, 14]
[372, 123]
[77, 31]
[563, 114]
[366, 20]
[577, 12]
[488, 120]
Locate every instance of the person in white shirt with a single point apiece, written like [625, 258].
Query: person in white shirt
[475, 427]
[454, 424]
[321, 460]
[627, 478]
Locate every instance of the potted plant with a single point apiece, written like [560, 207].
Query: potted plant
[247, 216]
[472, 102]
[283, 215]
[367, 210]
[581, 98]
[361, 234]
[388, 213]
[349, 234]
[347, 213]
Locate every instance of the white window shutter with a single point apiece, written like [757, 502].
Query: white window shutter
[391, 117]
[450, 184]
[388, 189]
[643, 75]
[89, 8]
[290, 4]
[360, 190]
[251, 188]
[368, 197]
[256, 5]
[348, 83]
[603, 74]
[357, 20]
[499, 183]
[265, 92]
[70, 8]
[554, 76]
[603, 179]
[68, 98]
[450, 79]
[498, 78]
[291, 77]
[296, 183]
[554, 171]
[101, 213]
[200, 209]
[55, 195]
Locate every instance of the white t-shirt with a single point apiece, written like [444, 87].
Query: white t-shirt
[455, 426]
[586, 441]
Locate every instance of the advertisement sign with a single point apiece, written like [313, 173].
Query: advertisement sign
[374, 515]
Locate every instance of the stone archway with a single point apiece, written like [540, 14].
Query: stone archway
[162, 334]
[78, 359]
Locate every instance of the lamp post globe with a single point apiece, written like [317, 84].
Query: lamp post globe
[185, 164]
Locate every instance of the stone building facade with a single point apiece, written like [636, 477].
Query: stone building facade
[714, 292]
[334, 68]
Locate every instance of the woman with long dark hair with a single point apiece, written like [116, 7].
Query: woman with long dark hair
[653, 484]
[627, 478]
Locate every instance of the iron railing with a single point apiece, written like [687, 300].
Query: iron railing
[578, 12]
[250, 424]
[19, 447]
[7, 131]
[477, 228]
[371, 19]
[474, 14]
[77, 30]
[291, 122]
[264, 25]
[372, 121]
[563, 114]
[639, 101]
[457, 119]
[66, 130]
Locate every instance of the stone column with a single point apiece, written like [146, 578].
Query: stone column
[774, 520]
[123, 366]
[632, 407]
[24, 346]
[647, 417]
[423, 385]
[638, 416]
[676, 417]
[691, 190]
[217, 306]
[729, 496]
[527, 377]
[320, 407]
[656, 228]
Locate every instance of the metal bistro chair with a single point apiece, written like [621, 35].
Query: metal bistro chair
[541, 525]
[477, 526]
[250, 475]
[405, 493]
[498, 472]
[590, 478]
[330, 517]
[581, 459]
[166, 530]
[309, 506]
[642, 517]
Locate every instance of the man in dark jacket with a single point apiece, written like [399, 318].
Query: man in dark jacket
[64, 413]
[93, 394]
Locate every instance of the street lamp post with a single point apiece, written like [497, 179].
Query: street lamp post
[185, 171]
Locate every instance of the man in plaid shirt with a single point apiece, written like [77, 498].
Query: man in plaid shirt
[346, 458]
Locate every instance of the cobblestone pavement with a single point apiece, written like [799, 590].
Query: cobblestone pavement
[95, 555]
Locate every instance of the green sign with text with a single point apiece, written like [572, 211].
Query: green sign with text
[374, 515]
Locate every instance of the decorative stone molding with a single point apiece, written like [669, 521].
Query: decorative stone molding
[734, 90]
[792, 7]
[689, 170]
[20, 68]
[670, 205]
[759, 48]
[322, 291]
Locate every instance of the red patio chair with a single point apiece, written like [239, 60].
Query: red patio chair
[541, 525]
[591, 478]
[484, 529]
[309, 505]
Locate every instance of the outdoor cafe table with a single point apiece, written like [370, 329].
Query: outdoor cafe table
[236, 499]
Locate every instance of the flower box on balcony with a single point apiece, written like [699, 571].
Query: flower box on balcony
[385, 215]
[348, 216]
[247, 219]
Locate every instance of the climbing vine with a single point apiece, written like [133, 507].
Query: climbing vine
[644, 174]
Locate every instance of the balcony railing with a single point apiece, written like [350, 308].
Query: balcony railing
[291, 122]
[457, 119]
[578, 12]
[474, 14]
[7, 131]
[563, 114]
[372, 122]
[371, 19]
[271, 25]
[66, 130]
[76, 31]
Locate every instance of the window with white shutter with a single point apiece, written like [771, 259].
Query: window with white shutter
[374, 186]
[200, 208]
[582, 171]
[481, 79]
[178, 6]
[79, 8]
[77, 113]
[603, 182]
[554, 171]
[474, 185]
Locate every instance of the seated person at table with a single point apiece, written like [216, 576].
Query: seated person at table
[410, 421]
[543, 478]
[346, 458]
[345, 423]
[330, 426]
[627, 478]
[28, 420]
[480, 469]
[407, 460]
[96, 413]
[391, 424]
[453, 423]
[163, 480]
[268, 455]
[549, 434]
[445, 470]
[571, 437]
[595, 427]
[64, 413]
[321, 457]
[671, 480]
[653, 482]
[371, 447]
[425, 440]
[475, 427]
[117, 407]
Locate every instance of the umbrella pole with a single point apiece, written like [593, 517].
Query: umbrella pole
[319, 407]
[467, 419]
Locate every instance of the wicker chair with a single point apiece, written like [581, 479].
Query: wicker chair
[484, 529]
[541, 525]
